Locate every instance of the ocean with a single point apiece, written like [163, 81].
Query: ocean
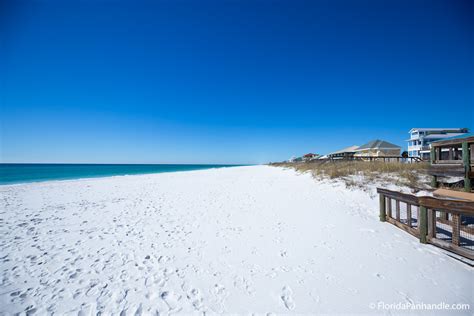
[11, 173]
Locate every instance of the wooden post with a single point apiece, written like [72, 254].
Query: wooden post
[434, 180]
[382, 207]
[466, 159]
[423, 226]
[431, 223]
[409, 215]
[456, 229]
[389, 207]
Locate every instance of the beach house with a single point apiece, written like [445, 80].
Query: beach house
[421, 138]
[345, 153]
[310, 156]
[378, 148]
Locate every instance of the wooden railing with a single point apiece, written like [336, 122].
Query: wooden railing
[445, 223]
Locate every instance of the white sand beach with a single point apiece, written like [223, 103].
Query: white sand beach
[237, 240]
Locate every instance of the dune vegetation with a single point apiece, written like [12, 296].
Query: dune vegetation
[413, 175]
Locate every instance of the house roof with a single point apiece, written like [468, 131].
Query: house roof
[443, 135]
[378, 144]
[435, 136]
[437, 129]
[469, 137]
[349, 149]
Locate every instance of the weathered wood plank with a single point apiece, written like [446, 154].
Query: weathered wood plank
[382, 207]
[431, 223]
[471, 147]
[450, 142]
[423, 226]
[453, 206]
[389, 207]
[445, 170]
[410, 230]
[402, 197]
[434, 181]
[449, 246]
[445, 167]
[409, 214]
[466, 159]
[449, 162]
[459, 195]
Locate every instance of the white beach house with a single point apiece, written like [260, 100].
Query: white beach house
[421, 138]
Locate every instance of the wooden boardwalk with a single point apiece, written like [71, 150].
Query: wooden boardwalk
[446, 223]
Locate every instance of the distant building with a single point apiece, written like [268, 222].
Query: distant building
[421, 138]
[345, 153]
[377, 148]
[310, 156]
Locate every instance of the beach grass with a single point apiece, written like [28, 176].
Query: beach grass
[408, 174]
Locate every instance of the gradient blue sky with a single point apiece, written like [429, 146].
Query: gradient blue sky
[227, 81]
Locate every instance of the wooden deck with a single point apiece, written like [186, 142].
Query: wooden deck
[453, 158]
[444, 222]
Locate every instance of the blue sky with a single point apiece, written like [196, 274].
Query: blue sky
[227, 81]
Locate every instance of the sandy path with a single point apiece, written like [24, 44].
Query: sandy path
[237, 240]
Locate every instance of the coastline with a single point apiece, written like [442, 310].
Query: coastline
[9, 179]
[226, 240]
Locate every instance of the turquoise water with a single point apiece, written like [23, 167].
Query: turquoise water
[21, 173]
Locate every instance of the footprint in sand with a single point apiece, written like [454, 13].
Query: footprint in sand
[194, 295]
[219, 295]
[286, 297]
[406, 297]
[133, 311]
[171, 299]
